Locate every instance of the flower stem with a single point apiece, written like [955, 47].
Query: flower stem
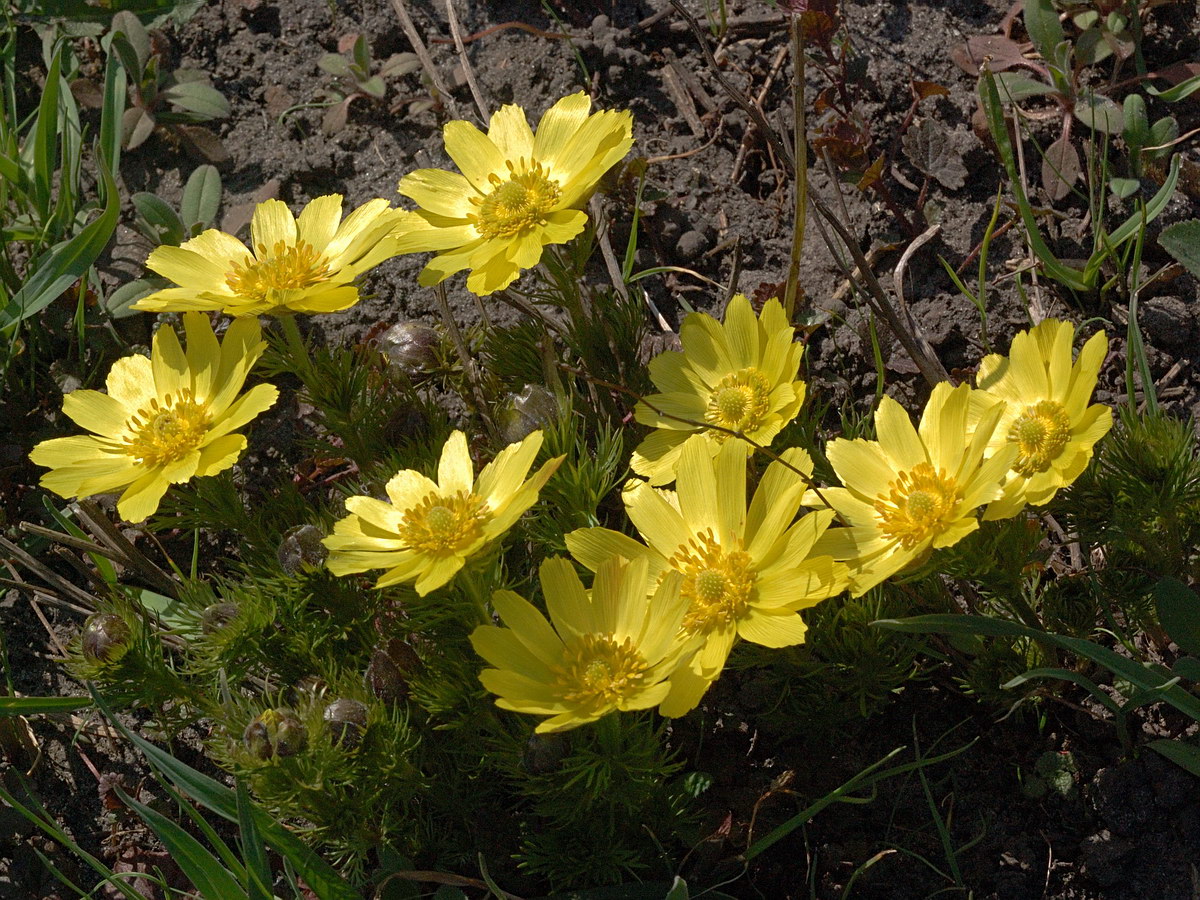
[800, 144]
[297, 349]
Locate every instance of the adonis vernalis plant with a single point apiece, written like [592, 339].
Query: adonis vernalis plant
[745, 573]
[1046, 414]
[426, 530]
[603, 650]
[740, 375]
[517, 193]
[914, 489]
[306, 264]
[165, 419]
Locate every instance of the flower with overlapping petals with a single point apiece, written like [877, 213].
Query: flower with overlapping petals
[746, 573]
[912, 490]
[166, 419]
[740, 376]
[306, 264]
[603, 650]
[426, 530]
[1046, 416]
[517, 193]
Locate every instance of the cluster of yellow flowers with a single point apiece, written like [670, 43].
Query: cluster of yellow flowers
[169, 418]
[663, 612]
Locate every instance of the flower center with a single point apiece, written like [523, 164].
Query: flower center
[598, 672]
[444, 525]
[716, 583]
[284, 268]
[739, 402]
[170, 428]
[920, 503]
[518, 204]
[1040, 432]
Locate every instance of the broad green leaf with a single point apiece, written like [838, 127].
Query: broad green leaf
[320, 877]
[1100, 113]
[258, 870]
[128, 25]
[32, 706]
[1156, 205]
[1178, 609]
[1186, 756]
[1041, 22]
[168, 609]
[1015, 86]
[119, 302]
[1123, 188]
[334, 64]
[208, 876]
[158, 220]
[66, 262]
[201, 198]
[1182, 241]
[1187, 667]
[111, 108]
[203, 101]
[137, 124]
[1181, 91]
[45, 138]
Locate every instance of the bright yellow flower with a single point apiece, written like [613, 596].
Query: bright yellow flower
[165, 419]
[740, 376]
[517, 192]
[428, 530]
[1047, 417]
[912, 490]
[608, 649]
[297, 265]
[745, 573]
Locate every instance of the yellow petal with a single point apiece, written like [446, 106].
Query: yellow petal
[318, 221]
[220, 454]
[897, 436]
[659, 523]
[573, 615]
[189, 268]
[502, 477]
[476, 156]
[168, 362]
[272, 223]
[455, 472]
[441, 192]
[529, 626]
[509, 131]
[557, 126]
[438, 574]
[503, 649]
[96, 412]
[563, 225]
[141, 499]
[773, 629]
[592, 546]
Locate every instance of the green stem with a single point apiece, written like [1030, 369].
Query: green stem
[297, 349]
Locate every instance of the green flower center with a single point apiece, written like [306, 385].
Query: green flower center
[1040, 433]
[284, 268]
[515, 205]
[444, 525]
[716, 583]
[168, 429]
[739, 402]
[598, 672]
[919, 504]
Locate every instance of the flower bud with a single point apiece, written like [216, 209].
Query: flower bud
[277, 732]
[302, 549]
[309, 689]
[410, 347]
[543, 753]
[347, 720]
[385, 673]
[531, 408]
[105, 638]
[217, 616]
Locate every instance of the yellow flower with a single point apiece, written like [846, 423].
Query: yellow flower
[165, 419]
[745, 572]
[517, 192]
[740, 376]
[428, 530]
[297, 265]
[911, 491]
[608, 649]
[1047, 417]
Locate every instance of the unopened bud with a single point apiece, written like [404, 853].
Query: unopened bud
[302, 549]
[217, 616]
[105, 638]
[530, 409]
[276, 732]
[347, 720]
[411, 347]
[544, 753]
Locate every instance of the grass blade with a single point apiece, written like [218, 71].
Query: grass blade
[31, 706]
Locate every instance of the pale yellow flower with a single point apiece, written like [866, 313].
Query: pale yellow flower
[518, 191]
[608, 649]
[740, 376]
[1046, 416]
[306, 264]
[911, 491]
[426, 531]
[746, 573]
[165, 419]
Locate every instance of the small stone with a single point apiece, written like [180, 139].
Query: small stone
[692, 245]
[1167, 321]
